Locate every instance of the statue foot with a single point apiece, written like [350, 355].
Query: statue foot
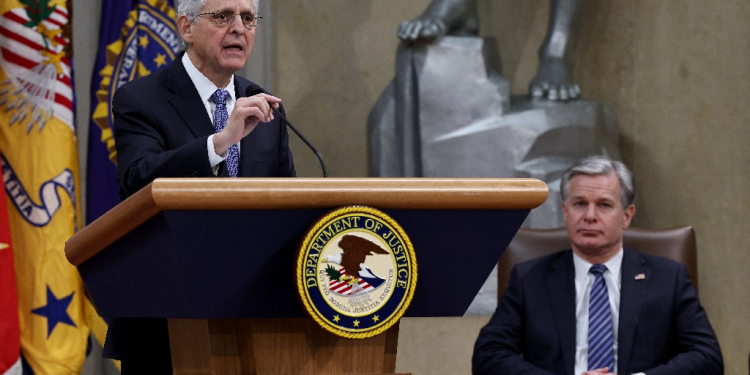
[553, 81]
[425, 27]
[442, 17]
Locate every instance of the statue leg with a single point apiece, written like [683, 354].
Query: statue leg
[442, 17]
[553, 80]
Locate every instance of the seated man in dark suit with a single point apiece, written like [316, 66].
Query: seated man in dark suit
[195, 118]
[598, 308]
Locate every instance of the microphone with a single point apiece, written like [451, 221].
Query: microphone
[254, 90]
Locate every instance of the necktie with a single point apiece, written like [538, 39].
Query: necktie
[221, 116]
[601, 342]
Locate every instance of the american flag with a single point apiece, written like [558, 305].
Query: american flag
[343, 287]
[23, 60]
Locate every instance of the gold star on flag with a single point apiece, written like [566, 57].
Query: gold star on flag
[336, 318]
[375, 318]
[143, 41]
[160, 60]
[356, 323]
[4, 246]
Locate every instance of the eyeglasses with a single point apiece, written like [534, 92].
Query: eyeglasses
[249, 19]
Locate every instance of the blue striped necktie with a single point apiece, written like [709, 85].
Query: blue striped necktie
[601, 342]
[221, 116]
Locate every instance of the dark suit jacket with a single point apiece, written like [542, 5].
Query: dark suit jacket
[663, 328]
[161, 128]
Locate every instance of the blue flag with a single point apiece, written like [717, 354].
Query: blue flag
[137, 37]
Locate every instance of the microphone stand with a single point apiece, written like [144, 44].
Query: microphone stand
[320, 158]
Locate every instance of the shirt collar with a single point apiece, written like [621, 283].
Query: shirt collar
[205, 87]
[613, 265]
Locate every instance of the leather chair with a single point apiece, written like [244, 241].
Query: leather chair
[675, 243]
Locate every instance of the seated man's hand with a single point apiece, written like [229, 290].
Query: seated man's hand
[598, 371]
[246, 115]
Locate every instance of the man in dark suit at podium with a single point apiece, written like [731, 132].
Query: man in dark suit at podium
[598, 308]
[166, 123]
[195, 118]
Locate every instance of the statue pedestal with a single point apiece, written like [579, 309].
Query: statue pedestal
[438, 87]
[538, 139]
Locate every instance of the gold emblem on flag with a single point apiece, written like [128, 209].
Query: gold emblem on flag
[125, 62]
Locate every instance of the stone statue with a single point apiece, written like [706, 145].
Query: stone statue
[418, 128]
[460, 18]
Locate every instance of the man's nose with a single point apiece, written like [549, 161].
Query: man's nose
[235, 25]
[590, 214]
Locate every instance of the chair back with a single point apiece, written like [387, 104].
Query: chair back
[675, 243]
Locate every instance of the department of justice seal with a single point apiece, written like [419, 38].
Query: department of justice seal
[356, 272]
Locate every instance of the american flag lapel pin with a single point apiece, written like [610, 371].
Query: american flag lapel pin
[640, 276]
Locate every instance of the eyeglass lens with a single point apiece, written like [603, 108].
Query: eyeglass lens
[226, 17]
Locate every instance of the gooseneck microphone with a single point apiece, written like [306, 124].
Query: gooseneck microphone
[254, 90]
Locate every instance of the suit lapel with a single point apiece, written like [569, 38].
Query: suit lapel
[635, 277]
[186, 100]
[560, 278]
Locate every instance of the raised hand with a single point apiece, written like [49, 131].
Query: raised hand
[247, 113]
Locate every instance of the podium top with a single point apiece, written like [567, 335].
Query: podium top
[168, 194]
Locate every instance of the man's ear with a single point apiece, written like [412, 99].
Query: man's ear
[184, 26]
[629, 212]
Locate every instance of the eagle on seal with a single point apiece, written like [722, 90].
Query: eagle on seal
[352, 260]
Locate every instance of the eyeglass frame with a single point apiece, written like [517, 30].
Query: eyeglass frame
[256, 18]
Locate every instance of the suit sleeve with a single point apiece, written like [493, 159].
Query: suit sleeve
[500, 344]
[695, 345]
[142, 150]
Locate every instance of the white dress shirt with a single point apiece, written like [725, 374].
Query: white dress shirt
[206, 88]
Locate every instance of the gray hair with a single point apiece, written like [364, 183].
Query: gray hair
[600, 166]
[190, 8]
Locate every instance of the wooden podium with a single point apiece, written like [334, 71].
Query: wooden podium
[230, 299]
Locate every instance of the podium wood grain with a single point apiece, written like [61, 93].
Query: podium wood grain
[275, 346]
